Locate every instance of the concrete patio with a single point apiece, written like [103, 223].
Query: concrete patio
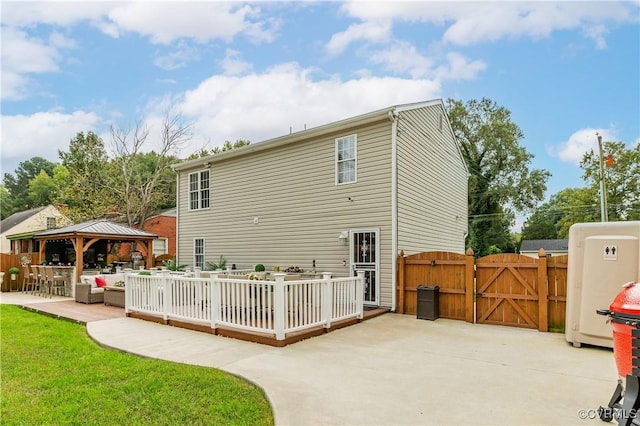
[395, 369]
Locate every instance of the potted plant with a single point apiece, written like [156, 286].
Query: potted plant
[222, 264]
[13, 271]
[259, 267]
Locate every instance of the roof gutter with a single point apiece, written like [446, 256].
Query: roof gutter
[337, 126]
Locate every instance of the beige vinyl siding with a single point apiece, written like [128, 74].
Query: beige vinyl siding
[300, 210]
[432, 184]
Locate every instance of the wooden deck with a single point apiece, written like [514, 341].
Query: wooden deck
[77, 312]
[83, 313]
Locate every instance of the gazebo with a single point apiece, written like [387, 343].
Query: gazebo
[84, 235]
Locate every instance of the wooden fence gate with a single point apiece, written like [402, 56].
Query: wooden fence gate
[502, 289]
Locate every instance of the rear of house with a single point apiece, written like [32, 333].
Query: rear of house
[344, 196]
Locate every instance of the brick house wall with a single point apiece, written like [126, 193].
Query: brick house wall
[164, 226]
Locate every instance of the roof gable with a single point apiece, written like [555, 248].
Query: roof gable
[98, 227]
[389, 113]
[19, 217]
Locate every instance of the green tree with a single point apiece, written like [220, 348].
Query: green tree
[61, 179]
[622, 179]
[18, 185]
[554, 218]
[575, 205]
[87, 192]
[5, 203]
[542, 224]
[227, 146]
[500, 177]
[42, 189]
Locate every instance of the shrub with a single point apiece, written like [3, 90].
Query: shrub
[259, 267]
[173, 266]
[222, 264]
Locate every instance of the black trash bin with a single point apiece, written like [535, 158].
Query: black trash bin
[428, 302]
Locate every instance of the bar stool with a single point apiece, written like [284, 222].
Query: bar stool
[55, 282]
[37, 280]
[44, 283]
[27, 279]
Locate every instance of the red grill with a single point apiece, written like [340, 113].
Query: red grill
[624, 313]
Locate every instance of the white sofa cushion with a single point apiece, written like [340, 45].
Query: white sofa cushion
[111, 279]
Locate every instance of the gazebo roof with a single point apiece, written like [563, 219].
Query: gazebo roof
[97, 228]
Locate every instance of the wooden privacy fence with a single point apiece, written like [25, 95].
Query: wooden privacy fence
[504, 289]
[9, 260]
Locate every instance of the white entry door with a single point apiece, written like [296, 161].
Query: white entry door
[365, 256]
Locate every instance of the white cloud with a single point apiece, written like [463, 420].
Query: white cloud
[232, 64]
[164, 22]
[460, 68]
[27, 13]
[369, 31]
[178, 58]
[597, 32]
[402, 57]
[23, 55]
[227, 107]
[41, 134]
[468, 23]
[580, 142]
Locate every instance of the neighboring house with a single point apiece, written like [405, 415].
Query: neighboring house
[16, 231]
[163, 225]
[343, 196]
[551, 247]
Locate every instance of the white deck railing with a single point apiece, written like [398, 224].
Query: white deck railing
[277, 307]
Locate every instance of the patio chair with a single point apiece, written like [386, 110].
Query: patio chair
[54, 282]
[27, 279]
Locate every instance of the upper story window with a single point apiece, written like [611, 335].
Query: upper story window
[346, 159]
[199, 190]
[51, 222]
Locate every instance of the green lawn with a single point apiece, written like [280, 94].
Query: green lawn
[52, 373]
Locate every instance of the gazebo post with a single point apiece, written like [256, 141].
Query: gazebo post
[149, 259]
[43, 245]
[78, 245]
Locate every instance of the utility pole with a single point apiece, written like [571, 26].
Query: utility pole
[603, 187]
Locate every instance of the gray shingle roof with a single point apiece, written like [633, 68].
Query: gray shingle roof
[19, 217]
[98, 227]
[547, 245]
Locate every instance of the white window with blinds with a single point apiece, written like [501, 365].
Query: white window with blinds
[198, 253]
[199, 190]
[346, 159]
[160, 246]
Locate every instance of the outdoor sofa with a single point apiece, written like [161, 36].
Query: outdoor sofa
[87, 290]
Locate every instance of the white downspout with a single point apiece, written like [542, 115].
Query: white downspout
[393, 115]
[177, 216]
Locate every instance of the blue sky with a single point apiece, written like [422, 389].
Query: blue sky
[565, 70]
